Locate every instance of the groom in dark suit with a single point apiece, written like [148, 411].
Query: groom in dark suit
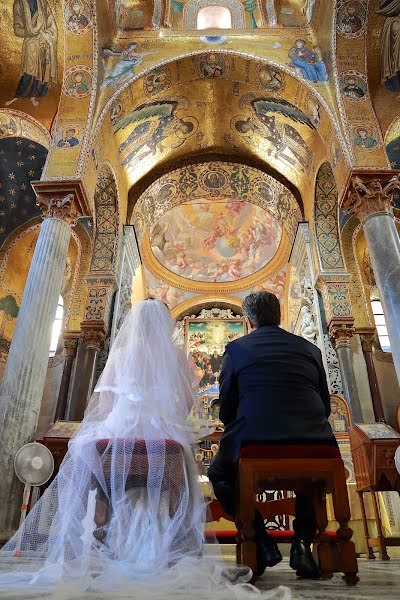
[273, 390]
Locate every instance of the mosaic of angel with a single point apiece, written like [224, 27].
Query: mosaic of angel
[215, 241]
[34, 22]
[125, 69]
[157, 128]
[286, 143]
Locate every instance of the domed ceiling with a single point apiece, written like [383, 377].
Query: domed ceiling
[216, 240]
[215, 228]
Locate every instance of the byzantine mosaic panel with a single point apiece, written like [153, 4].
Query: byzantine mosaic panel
[326, 215]
[107, 224]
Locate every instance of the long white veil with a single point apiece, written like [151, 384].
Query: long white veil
[124, 517]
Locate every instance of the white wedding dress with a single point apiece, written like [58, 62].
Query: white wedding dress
[124, 517]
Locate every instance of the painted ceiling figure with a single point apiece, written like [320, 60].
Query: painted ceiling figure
[390, 44]
[35, 24]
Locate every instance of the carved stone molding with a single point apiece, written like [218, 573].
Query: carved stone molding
[367, 337]
[93, 335]
[341, 334]
[70, 343]
[371, 194]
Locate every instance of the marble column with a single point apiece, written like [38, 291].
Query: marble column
[341, 334]
[370, 198]
[91, 342]
[70, 345]
[367, 339]
[24, 376]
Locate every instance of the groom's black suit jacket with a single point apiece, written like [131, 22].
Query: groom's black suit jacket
[273, 389]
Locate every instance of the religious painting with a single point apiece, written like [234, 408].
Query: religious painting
[212, 66]
[308, 9]
[133, 15]
[78, 16]
[77, 81]
[67, 137]
[215, 241]
[129, 59]
[339, 418]
[162, 290]
[205, 341]
[351, 18]
[117, 110]
[157, 128]
[306, 62]
[10, 126]
[353, 85]
[8, 311]
[287, 143]
[378, 431]
[35, 24]
[270, 79]
[313, 109]
[157, 81]
[390, 42]
[365, 137]
[392, 143]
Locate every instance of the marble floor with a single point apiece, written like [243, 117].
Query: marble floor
[378, 581]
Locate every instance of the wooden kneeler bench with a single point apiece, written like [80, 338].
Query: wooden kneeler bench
[297, 468]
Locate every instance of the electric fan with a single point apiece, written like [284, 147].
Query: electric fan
[33, 465]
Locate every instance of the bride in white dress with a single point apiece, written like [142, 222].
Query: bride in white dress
[124, 518]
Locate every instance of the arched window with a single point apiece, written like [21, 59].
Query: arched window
[381, 325]
[57, 325]
[214, 17]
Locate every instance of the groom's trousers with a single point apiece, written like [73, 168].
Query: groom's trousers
[223, 476]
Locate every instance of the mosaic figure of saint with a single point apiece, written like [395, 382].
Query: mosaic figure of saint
[78, 20]
[390, 44]
[307, 63]
[363, 139]
[34, 22]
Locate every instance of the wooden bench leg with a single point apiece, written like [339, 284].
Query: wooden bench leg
[246, 546]
[383, 555]
[325, 552]
[370, 551]
[345, 551]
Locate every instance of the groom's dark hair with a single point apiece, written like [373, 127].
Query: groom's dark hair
[262, 308]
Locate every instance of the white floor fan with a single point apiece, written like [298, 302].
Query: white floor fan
[34, 465]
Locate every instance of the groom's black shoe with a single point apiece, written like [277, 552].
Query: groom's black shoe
[302, 560]
[268, 555]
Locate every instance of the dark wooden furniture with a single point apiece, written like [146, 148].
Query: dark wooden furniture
[56, 439]
[297, 468]
[373, 446]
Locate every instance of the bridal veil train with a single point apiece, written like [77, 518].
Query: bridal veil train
[124, 517]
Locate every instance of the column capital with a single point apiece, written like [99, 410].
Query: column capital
[370, 193]
[341, 333]
[367, 335]
[71, 342]
[93, 334]
[65, 200]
